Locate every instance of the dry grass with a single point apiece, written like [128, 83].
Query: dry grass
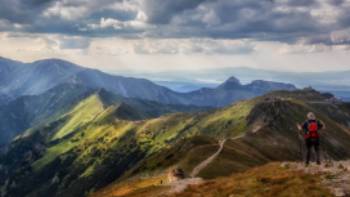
[139, 187]
[270, 180]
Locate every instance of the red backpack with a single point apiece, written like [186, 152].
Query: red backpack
[312, 130]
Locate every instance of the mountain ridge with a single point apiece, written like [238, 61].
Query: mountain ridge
[107, 151]
[42, 75]
[28, 111]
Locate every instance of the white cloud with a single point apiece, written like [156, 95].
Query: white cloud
[176, 46]
[300, 48]
[109, 22]
[341, 36]
[66, 12]
[106, 23]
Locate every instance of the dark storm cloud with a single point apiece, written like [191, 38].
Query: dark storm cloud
[291, 21]
[22, 11]
[241, 19]
[336, 2]
[120, 14]
[161, 12]
[301, 2]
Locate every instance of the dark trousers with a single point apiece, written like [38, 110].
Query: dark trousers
[312, 143]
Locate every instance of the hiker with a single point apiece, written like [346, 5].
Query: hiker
[312, 138]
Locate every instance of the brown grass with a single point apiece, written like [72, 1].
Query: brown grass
[270, 180]
[140, 186]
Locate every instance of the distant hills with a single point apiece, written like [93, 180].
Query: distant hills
[98, 142]
[336, 82]
[232, 90]
[18, 79]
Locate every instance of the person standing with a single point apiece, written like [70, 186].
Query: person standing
[311, 128]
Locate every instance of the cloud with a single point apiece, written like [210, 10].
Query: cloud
[288, 21]
[22, 11]
[193, 46]
[115, 24]
[303, 49]
[162, 11]
[74, 43]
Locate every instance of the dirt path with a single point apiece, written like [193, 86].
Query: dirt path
[206, 162]
[181, 185]
[335, 175]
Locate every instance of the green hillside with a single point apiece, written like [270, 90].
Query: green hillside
[99, 142]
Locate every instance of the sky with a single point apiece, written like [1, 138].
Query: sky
[171, 35]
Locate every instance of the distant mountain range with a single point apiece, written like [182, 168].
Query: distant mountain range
[18, 79]
[336, 82]
[98, 142]
[232, 90]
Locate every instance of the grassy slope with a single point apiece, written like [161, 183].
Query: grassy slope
[276, 138]
[82, 114]
[92, 134]
[266, 181]
[106, 148]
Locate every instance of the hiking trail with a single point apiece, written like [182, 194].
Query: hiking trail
[206, 162]
[181, 185]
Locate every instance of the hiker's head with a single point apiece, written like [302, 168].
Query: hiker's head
[311, 116]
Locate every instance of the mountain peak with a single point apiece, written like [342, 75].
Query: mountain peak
[231, 82]
[57, 67]
[52, 60]
[57, 64]
[233, 79]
